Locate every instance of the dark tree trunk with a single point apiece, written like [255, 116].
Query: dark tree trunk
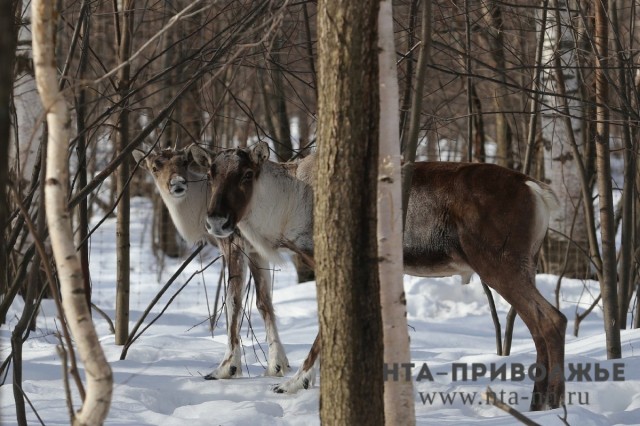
[7, 57]
[345, 225]
[608, 283]
[122, 140]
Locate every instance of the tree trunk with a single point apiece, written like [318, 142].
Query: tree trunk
[409, 150]
[7, 57]
[282, 145]
[166, 234]
[123, 46]
[626, 267]
[98, 373]
[81, 149]
[345, 225]
[398, 394]
[560, 163]
[495, 39]
[608, 285]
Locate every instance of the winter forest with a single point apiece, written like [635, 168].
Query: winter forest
[299, 212]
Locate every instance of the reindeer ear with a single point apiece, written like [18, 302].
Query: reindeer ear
[199, 158]
[260, 153]
[140, 153]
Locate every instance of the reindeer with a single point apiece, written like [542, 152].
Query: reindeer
[185, 193]
[462, 218]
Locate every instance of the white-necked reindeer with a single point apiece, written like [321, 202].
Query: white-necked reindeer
[462, 218]
[185, 192]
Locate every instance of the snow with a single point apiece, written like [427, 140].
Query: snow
[161, 380]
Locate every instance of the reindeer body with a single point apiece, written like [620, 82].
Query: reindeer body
[456, 208]
[185, 193]
[282, 218]
[461, 218]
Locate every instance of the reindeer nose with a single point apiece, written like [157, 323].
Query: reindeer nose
[220, 227]
[178, 186]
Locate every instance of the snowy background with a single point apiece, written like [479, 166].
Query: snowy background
[160, 382]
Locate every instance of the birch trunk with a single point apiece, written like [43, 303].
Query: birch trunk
[98, 373]
[398, 394]
[560, 163]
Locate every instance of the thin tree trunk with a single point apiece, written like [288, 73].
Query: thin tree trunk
[81, 112]
[122, 140]
[165, 231]
[283, 143]
[495, 39]
[625, 290]
[7, 57]
[409, 153]
[345, 226]
[398, 394]
[32, 286]
[98, 373]
[405, 108]
[608, 283]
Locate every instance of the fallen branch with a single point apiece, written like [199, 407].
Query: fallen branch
[490, 397]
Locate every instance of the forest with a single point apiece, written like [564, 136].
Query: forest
[514, 123]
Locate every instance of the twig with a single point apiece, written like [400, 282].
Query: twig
[490, 397]
[65, 375]
[580, 317]
[31, 405]
[494, 317]
[183, 14]
[104, 315]
[54, 291]
[164, 289]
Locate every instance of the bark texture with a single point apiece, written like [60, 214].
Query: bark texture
[98, 373]
[345, 212]
[398, 394]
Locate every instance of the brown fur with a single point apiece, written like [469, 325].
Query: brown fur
[461, 218]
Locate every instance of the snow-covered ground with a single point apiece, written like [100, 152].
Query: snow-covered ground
[161, 381]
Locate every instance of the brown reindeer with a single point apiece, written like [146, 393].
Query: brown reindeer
[185, 192]
[461, 218]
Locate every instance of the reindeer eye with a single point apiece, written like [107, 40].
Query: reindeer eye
[248, 175]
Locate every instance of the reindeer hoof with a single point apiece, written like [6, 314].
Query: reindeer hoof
[226, 372]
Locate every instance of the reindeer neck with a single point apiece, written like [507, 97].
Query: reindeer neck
[280, 213]
[189, 213]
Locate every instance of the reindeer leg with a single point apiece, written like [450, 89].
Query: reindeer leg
[554, 328]
[547, 326]
[231, 364]
[305, 377]
[278, 364]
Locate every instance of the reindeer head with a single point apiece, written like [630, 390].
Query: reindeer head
[232, 175]
[171, 169]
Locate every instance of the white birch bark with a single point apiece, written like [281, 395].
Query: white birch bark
[559, 162]
[398, 395]
[98, 373]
